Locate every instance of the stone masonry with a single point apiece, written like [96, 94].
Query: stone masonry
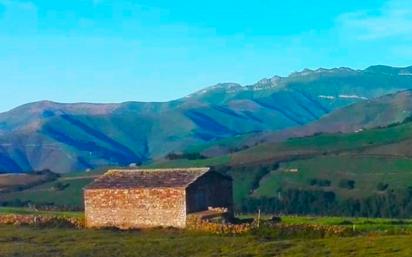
[150, 198]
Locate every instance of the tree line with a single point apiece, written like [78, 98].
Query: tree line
[392, 204]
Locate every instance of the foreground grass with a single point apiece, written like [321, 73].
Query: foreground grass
[374, 237]
[361, 225]
[44, 242]
[28, 211]
[28, 241]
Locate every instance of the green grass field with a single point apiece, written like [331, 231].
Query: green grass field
[44, 242]
[366, 171]
[28, 211]
[70, 195]
[373, 237]
[325, 143]
[183, 163]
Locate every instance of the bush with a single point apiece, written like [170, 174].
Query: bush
[60, 186]
[259, 174]
[187, 156]
[345, 222]
[347, 184]
[276, 219]
[320, 182]
[382, 186]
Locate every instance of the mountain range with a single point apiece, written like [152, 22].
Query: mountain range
[82, 136]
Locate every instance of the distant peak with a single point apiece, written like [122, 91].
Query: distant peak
[388, 70]
[273, 80]
[227, 87]
[266, 83]
[304, 72]
[44, 104]
[278, 81]
[308, 72]
[49, 107]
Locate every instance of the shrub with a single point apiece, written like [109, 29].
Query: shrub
[382, 186]
[320, 182]
[187, 156]
[347, 184]
[60, 186]
[276, 219]
[345, 222]
[398, 222]
[259, 174]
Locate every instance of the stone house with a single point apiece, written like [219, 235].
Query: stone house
[137, 198]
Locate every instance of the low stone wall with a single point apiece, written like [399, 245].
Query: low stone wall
[42, 220]
[197, 223]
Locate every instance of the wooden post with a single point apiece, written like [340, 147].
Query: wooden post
[258, 219]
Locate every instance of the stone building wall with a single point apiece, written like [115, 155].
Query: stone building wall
[211, 190]
[135, 208]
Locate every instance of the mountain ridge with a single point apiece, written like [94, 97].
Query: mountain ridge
[82, 136]
[264, 81]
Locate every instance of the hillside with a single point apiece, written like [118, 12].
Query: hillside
[378, 112]
[367, 173]
[78, 137]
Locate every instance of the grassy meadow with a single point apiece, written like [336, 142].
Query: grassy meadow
[44, 242]
[374, 237]
[30, 211]
[367, 172]
[66, 190]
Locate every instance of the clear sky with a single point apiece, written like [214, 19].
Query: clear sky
[156, 50]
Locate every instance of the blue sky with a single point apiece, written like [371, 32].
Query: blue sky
[113, 51]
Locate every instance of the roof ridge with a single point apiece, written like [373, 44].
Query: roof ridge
[159, 169]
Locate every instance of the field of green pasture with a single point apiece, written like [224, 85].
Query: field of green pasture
[369, 175]
[66, 191]
[45, 242]
[32, 211]
[371, 237]
[358, 224]
[324, 144]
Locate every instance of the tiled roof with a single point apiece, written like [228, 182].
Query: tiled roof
[147, 178]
